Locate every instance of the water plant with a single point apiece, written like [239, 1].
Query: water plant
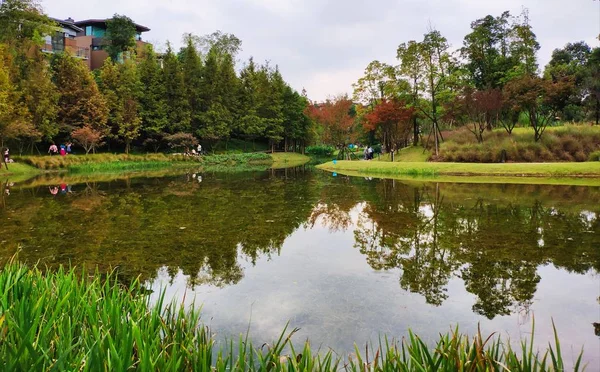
[71, 320]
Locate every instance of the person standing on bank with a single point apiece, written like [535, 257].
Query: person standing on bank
[6, 158]
[53, 150]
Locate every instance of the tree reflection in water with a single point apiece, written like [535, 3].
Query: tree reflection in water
[493, 237]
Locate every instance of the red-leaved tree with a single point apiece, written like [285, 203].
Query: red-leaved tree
[336, 118]
[391, 122]
[88, 138]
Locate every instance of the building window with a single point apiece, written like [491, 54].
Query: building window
[98, 32]
[88, 30]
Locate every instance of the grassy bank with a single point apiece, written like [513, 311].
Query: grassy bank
[65, 321]
[288, 159]
[17, 172]
[106, 163]
[586, 169]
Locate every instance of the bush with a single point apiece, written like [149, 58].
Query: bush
[594, 156]
[320, 150]
[564, 143]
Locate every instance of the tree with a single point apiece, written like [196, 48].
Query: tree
[334, 115]
[250, 125]
[411, 66]
[120, 35]
[486, 51]
[539, 98]
[376, 84]
[438, 63]
[592, 82]
[571, 62]
[129, 92]
[192, 80]
[391, 121]
[39, 94]
[222, 43]
[181, 141]
[272, 105]
[23, 21]
[153, 107]
[80, 102]
[88, 138]
[479, 109]
[178, 114]
[524, 46]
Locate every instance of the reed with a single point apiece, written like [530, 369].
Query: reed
[69, 320]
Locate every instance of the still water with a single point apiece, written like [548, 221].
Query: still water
[344, 259]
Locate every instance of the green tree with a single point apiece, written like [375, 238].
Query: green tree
[571, 62]
[15, 123]
[153, 107]
[592, 83]
[192, 79]
[39, 94]
[109, 82]
[80, 102]
[486, 51]
[178, 114]
[250, 125]
[411, 66]
[271, 108]
[437, 68]
[129, 92]
[120, 35]
[523, 46]
[23, 21]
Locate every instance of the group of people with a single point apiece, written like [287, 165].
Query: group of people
[368, 153]
[194, 152]
[63, 188]
[64, 149]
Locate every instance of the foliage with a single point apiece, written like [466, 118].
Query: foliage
[568, 143]
[181, 141]
[320, 150]
[391, 121]
[80, 102]
[120, 36]
[540, 99]
[168, 337]
[88, 137]
[335, 116]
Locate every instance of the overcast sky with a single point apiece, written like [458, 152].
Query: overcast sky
[324, 46]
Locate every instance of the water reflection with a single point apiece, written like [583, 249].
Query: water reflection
[211, 228]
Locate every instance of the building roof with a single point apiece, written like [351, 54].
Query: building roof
[102, 23]
[67, 23]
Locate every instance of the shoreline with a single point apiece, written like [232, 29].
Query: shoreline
[471, 172]
[24, 169]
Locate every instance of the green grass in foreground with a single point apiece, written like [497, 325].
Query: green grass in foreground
[586, 169]
[65, 321]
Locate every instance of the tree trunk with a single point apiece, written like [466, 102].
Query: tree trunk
[285, 144]
[415, 131]
[597, 110]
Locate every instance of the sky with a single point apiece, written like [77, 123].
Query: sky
[324, 46]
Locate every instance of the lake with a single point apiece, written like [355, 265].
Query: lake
[344, 259]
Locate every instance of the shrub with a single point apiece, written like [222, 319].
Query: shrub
[564, 143]
[320, 150]
[594, 156]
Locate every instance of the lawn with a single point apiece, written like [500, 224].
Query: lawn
[288, 159]
[585, 169]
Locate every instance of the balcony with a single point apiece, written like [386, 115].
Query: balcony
[76, 51]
